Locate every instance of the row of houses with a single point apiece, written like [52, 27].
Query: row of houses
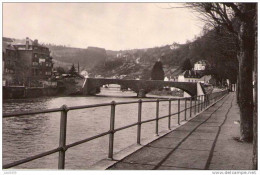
[196, 74]
[25, 61]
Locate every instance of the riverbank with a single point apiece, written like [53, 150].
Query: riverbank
[64, 87]
[15, 92]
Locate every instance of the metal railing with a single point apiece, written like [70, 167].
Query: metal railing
[200, 103]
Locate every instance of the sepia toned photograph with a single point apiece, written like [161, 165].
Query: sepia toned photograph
[130, 86]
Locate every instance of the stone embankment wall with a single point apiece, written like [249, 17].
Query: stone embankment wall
[69, 86]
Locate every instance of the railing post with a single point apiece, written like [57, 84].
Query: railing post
[185, 109]
[190, 106]
[195, 106]
[204, 104]
[178, 111]
[206, 100]
[157, 117]
[139, 122]
[201, 103]
[170, 113]
[62, 143]
[112, 127]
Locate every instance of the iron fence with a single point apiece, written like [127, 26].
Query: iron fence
[200, 103]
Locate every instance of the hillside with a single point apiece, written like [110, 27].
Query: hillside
[137, 63]
[87, 58]
[108, 63]
[215, 46]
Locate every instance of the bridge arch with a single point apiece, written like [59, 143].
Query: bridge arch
[91, 84]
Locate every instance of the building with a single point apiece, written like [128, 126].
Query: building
[194, 76]
[197, 74]
[30, 60]
[200, 65]
[9, 64]
[37, 56]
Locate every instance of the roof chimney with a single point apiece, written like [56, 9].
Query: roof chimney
[35, 42]
[27, 43]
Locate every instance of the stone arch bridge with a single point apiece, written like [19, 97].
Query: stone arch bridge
[141, 87]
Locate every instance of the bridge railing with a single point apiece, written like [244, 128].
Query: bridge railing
[197, 104]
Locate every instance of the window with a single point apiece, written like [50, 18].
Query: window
[41, 60]
[47, 73]
[35, 55]
[35, 63]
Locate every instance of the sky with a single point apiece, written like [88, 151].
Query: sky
[113, 26]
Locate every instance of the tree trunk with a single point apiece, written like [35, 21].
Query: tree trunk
[237, 86]
[246, 56]
[255, 120]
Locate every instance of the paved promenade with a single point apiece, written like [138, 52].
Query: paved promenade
[207, 142]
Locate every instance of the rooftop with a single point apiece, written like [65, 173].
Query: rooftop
[193, 74]
[22, 42]
[202, 62]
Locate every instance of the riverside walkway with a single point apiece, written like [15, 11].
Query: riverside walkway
[207, 142]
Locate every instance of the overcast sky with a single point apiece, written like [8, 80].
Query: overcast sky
[111, 26]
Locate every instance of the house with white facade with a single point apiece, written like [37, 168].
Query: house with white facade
[200, 65]
[194, 76]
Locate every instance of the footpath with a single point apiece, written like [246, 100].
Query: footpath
[209, 141]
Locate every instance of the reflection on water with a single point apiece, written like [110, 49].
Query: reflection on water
[27, 136]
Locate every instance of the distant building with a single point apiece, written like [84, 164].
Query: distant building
[194, 76]
[197, 74]
[137, 61]
[119, 55]
[174, 46]
[166, 78]
[84, 74]
[200, 65]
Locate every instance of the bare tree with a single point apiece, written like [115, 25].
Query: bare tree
[240, 20]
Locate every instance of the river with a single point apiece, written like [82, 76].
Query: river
[30, 135]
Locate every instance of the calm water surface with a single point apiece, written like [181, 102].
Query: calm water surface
[30, 135]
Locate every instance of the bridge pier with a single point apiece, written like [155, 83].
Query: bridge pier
[141, 93]
[88, 88]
